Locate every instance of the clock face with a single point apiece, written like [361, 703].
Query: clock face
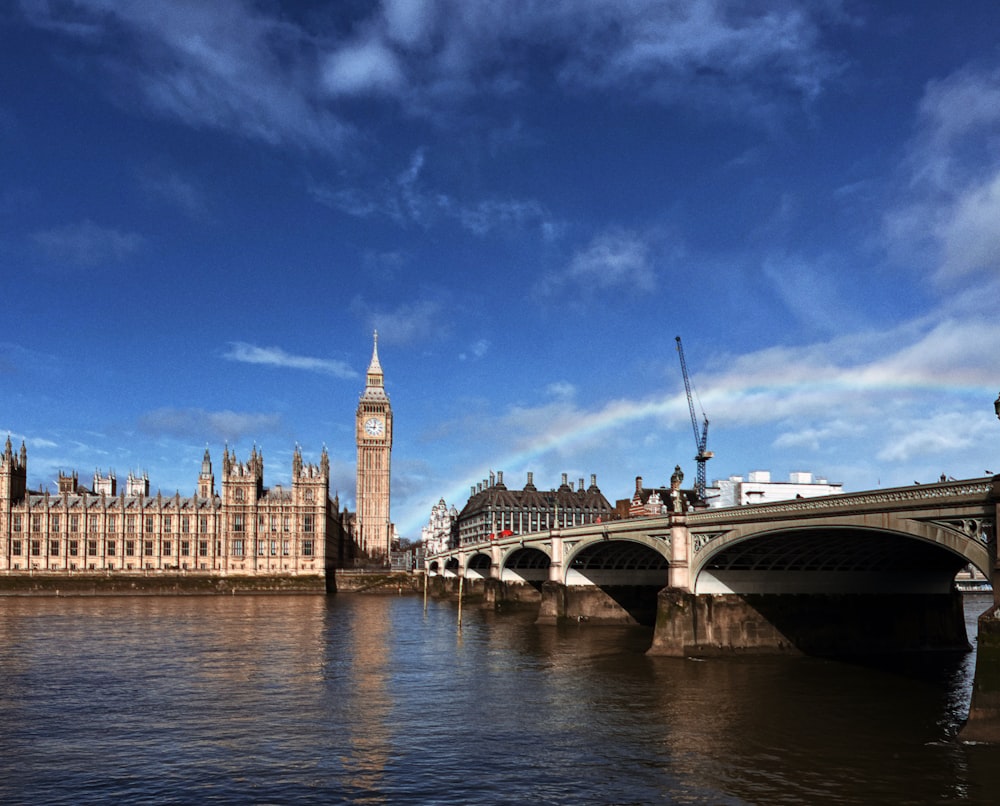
[374, 427]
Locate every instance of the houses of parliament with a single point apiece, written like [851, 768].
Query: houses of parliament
[240, 527]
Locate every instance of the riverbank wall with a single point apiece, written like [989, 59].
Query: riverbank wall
[158, 585]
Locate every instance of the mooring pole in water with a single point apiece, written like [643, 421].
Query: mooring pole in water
[425, 592]
[460, 581]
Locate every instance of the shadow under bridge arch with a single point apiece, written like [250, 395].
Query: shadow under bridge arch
[830, 561]
[629, 572]
[526, 565]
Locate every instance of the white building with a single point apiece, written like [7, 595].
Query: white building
[758, 488]
[439, 533]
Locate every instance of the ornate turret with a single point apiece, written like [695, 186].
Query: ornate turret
[13, 474]
[206, 478]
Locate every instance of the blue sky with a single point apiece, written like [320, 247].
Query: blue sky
[207, 208]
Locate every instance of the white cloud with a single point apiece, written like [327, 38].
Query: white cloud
[409, 323]
[477, 350]
[939, 435]
[219, 426]
[87, 244]
[365, 68]
[970, 233]
[616, 258]
[276, 357]
[223, 65]
[950, 208]
[241, 67]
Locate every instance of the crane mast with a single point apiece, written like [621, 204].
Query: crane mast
[700, 440]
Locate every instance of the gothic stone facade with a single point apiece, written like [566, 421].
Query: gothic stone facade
[248, 529]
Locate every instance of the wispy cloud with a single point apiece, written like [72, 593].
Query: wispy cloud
[244, 68]
[173, 188]
[276, 357]
[224, 65]
[411, 323]
[949, 208]
[478, 349]
[86, 244]
[615, 258]
[409, 199]
[218, 426]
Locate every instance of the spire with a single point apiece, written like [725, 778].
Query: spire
[375, 381]
[375, 367]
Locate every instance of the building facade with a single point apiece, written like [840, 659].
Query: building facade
[493, 510]
[373, 530]
[441, 531]
[757, 488]
[657, 501]
[244, 529]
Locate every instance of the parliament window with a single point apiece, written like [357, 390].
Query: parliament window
[111, 548]
[36, 548]
[74, 548]
[74, 523]
[148, 549]
[307, 523]
[112, 523]
[91, 548]
[149, 524]
[167, 524]
[36, 523]
[238, 547]
[130, 523]
[129, 548]
[54, 548]
[202, 548]
[17, 523]
[15, 548]
[167, 548]
[237, 523]
[307, 548]
[55, 523]
[185, 548]
[185, 524]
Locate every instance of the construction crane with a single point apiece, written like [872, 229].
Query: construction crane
[700, 440]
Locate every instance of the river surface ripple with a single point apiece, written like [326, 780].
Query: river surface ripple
[368, 699]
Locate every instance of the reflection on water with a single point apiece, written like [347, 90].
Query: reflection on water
[353, 699]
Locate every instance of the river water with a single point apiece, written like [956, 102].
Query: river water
[368, 699]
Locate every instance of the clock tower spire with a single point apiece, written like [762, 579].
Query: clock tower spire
[374, 441]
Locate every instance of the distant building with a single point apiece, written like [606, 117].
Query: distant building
[651, 501]
[246, 529]
[758, 488]
[441, 531]
[494, 511]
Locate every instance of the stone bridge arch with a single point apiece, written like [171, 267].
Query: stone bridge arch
[526, 564]
[636, 560]
[894, 553]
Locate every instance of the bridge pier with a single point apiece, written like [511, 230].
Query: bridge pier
[618, 604]
[983, 724]
[816, 624]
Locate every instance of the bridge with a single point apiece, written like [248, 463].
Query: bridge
[865, 572]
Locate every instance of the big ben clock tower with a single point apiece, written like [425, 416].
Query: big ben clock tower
[374, 438]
